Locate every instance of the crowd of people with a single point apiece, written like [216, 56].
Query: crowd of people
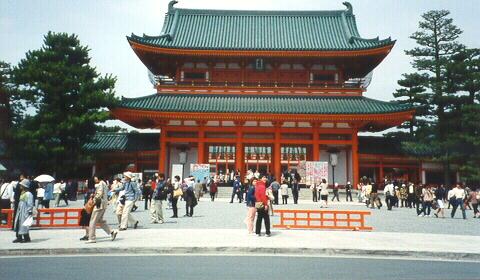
[423, 198]
[259, 192]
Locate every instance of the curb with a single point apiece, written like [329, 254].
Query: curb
[306, 252]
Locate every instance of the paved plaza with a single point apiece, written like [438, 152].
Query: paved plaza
[218, 228]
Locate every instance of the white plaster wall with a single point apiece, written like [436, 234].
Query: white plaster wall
[174, 159]
[340, 169]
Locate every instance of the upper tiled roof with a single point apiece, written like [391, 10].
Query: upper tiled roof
[267, 104]
[260, 30]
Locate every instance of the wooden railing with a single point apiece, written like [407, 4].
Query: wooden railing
[50, 218]
[323, 219]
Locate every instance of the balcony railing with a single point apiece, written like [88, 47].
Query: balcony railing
[267, 84]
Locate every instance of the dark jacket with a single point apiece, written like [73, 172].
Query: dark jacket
[251, 196]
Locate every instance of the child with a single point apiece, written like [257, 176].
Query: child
[85, 216]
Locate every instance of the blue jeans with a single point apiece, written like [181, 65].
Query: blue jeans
[458, 202]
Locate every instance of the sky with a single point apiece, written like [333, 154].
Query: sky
[103, 25]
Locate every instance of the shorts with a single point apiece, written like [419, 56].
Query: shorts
[324, 197]
[440, 204]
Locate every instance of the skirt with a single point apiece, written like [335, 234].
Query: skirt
[84, 219]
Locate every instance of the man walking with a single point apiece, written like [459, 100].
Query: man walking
[237, 186]
[389, 192]
[101, 203]
[348, 191]
[159, 194]
[275, 187]
[295, 191]
[132, 193]
[458, 195]
[261, 203]
[335, 192]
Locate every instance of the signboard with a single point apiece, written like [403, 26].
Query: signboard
[177, 170]
[200, 171]
[315, 171]
[301, 171]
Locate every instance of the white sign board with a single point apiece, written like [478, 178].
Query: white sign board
[315, 171]
[177, 170]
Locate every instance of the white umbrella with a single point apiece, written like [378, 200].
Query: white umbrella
[44, 178]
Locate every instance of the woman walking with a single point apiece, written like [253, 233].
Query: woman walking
[101, 202]
[284, 192]
[24, 218]
[176, 193]
[324, 193]
[251, 211]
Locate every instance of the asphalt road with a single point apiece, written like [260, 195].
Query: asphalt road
[229, 267]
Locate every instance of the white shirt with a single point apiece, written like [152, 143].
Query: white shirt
[458, 193]
[7, 191]
[40, 192]
[57, 188]
[284, 189]
[389, 188]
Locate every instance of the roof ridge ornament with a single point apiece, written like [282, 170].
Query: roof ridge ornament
[349, 7]
[170, 6]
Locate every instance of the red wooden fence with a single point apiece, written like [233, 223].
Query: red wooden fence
[50, 218]
[323, 219]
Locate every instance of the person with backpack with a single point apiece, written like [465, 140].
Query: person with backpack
[159, 194]
[132, 194]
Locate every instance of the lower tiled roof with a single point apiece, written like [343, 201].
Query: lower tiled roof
[123, 142]
[270, 104]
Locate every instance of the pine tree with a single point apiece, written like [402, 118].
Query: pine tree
[66, 98]
[436, 40]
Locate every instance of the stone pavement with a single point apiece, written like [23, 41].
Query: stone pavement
[218, 228]
[237, 241]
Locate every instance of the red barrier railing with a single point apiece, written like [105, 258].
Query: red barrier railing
[9, 214]
[323, 219]
[50, 218]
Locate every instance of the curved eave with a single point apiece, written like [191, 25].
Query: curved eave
[140, 47]
[364, 122]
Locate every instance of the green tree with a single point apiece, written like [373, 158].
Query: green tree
[66, 97]
[463, 72]
[436, 45]
[412, 92]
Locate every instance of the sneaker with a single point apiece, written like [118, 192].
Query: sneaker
[268, 235]
[259, 235]
[114, 235]
[135, 225]
[85, 238]
[122, 229]
[91, 241]
[420, 215]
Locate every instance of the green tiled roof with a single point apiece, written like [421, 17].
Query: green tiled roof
[269, 104]
[123, 142]
[260, 30]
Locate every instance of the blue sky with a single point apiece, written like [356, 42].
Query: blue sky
[103, 25]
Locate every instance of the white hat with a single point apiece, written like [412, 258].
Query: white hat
[128, 174]
[25, 183]
[336, 184]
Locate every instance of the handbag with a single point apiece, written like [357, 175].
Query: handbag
[28, 222]
[259, 205]
[178, 192]
[89, 206]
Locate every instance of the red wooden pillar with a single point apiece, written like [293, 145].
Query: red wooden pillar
[277, 152]
[316, 148]
[201, 143]
[239, 157]
[355, 164]
[381, 175]
[163, 150]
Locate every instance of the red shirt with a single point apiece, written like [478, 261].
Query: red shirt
[260, 193]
